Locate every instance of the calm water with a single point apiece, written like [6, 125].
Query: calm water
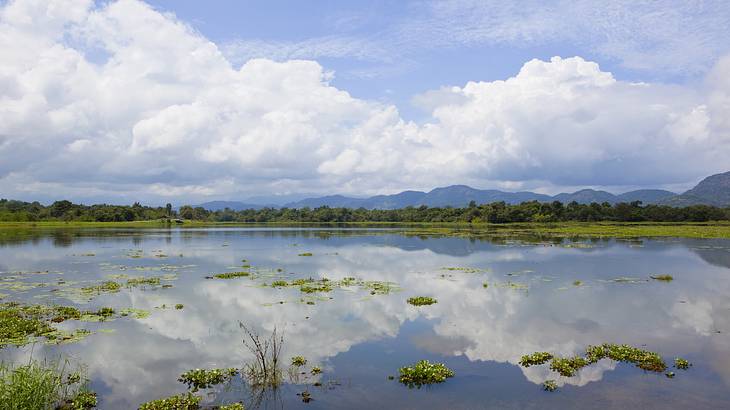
[530, 304]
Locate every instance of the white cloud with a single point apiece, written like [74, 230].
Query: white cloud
[121, 101]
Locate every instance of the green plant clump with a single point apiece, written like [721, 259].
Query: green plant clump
[279, 284]
[306, 254]
[567, 367]
[535, 359]
[298, 361]
[663, 278]
[422, 301]
[179, 306]
[682, 364]
[43, 385]
[231, 275]
[549, 385]
[203, 379]
[424, 372]
[185, 401]
[234, 406]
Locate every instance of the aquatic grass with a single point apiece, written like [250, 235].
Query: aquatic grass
[44, 385]
[185, 401]
[264, 371]
[663, 277]
[424, 373]
[306, 254]
[203, 379]
[421, 301]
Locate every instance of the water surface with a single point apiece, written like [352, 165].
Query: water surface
[532, 302]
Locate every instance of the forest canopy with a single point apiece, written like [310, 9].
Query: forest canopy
[496, 212]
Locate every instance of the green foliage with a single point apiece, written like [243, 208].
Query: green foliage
[44, 385]
[549, 385]
[231, 275]
[298, 361]
[681, 364]
[185, 401]
[422, 301]
[179, 306]
[424, 372]
[203, 379]
[568, 367]
[496, 212]
[234, 406]
[306, 254]
[664, 278]
[535, 359]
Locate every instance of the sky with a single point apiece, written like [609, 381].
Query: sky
[186, 101]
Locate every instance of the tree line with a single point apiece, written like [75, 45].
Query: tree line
[496, 212]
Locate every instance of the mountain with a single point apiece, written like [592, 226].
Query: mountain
[461, 195]
[646, 196]
[233, 205]
[713, 190]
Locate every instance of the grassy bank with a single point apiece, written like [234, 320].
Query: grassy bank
[562, 229]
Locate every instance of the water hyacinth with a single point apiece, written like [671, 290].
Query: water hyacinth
[421, 301]
[203, 379]
[186, 401]
[424, 373]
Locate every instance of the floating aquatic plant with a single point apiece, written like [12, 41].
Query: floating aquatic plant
[298, 361]
[186, 401]
[421, 301]
[279, 284]
[306, 254]
[535, 359]
[682, 364]
[568, 367]
[179, 306]
[423, 373]
[203, 379]
[663, 277]
[316, 370]
[231, 275]
[549, 385]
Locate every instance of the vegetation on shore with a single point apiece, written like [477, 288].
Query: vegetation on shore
[495, 213]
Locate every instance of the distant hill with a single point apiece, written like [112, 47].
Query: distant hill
[233, 205]
[713, 190]
[461, 195]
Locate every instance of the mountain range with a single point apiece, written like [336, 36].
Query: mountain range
[713, 190]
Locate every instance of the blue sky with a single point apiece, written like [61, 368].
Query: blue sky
[405, 64]
[187, 101]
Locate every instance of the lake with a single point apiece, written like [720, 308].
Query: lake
[497, 299]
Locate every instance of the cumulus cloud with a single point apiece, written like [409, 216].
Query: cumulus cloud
[121, 101]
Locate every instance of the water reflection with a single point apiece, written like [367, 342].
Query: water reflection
[530, 304]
